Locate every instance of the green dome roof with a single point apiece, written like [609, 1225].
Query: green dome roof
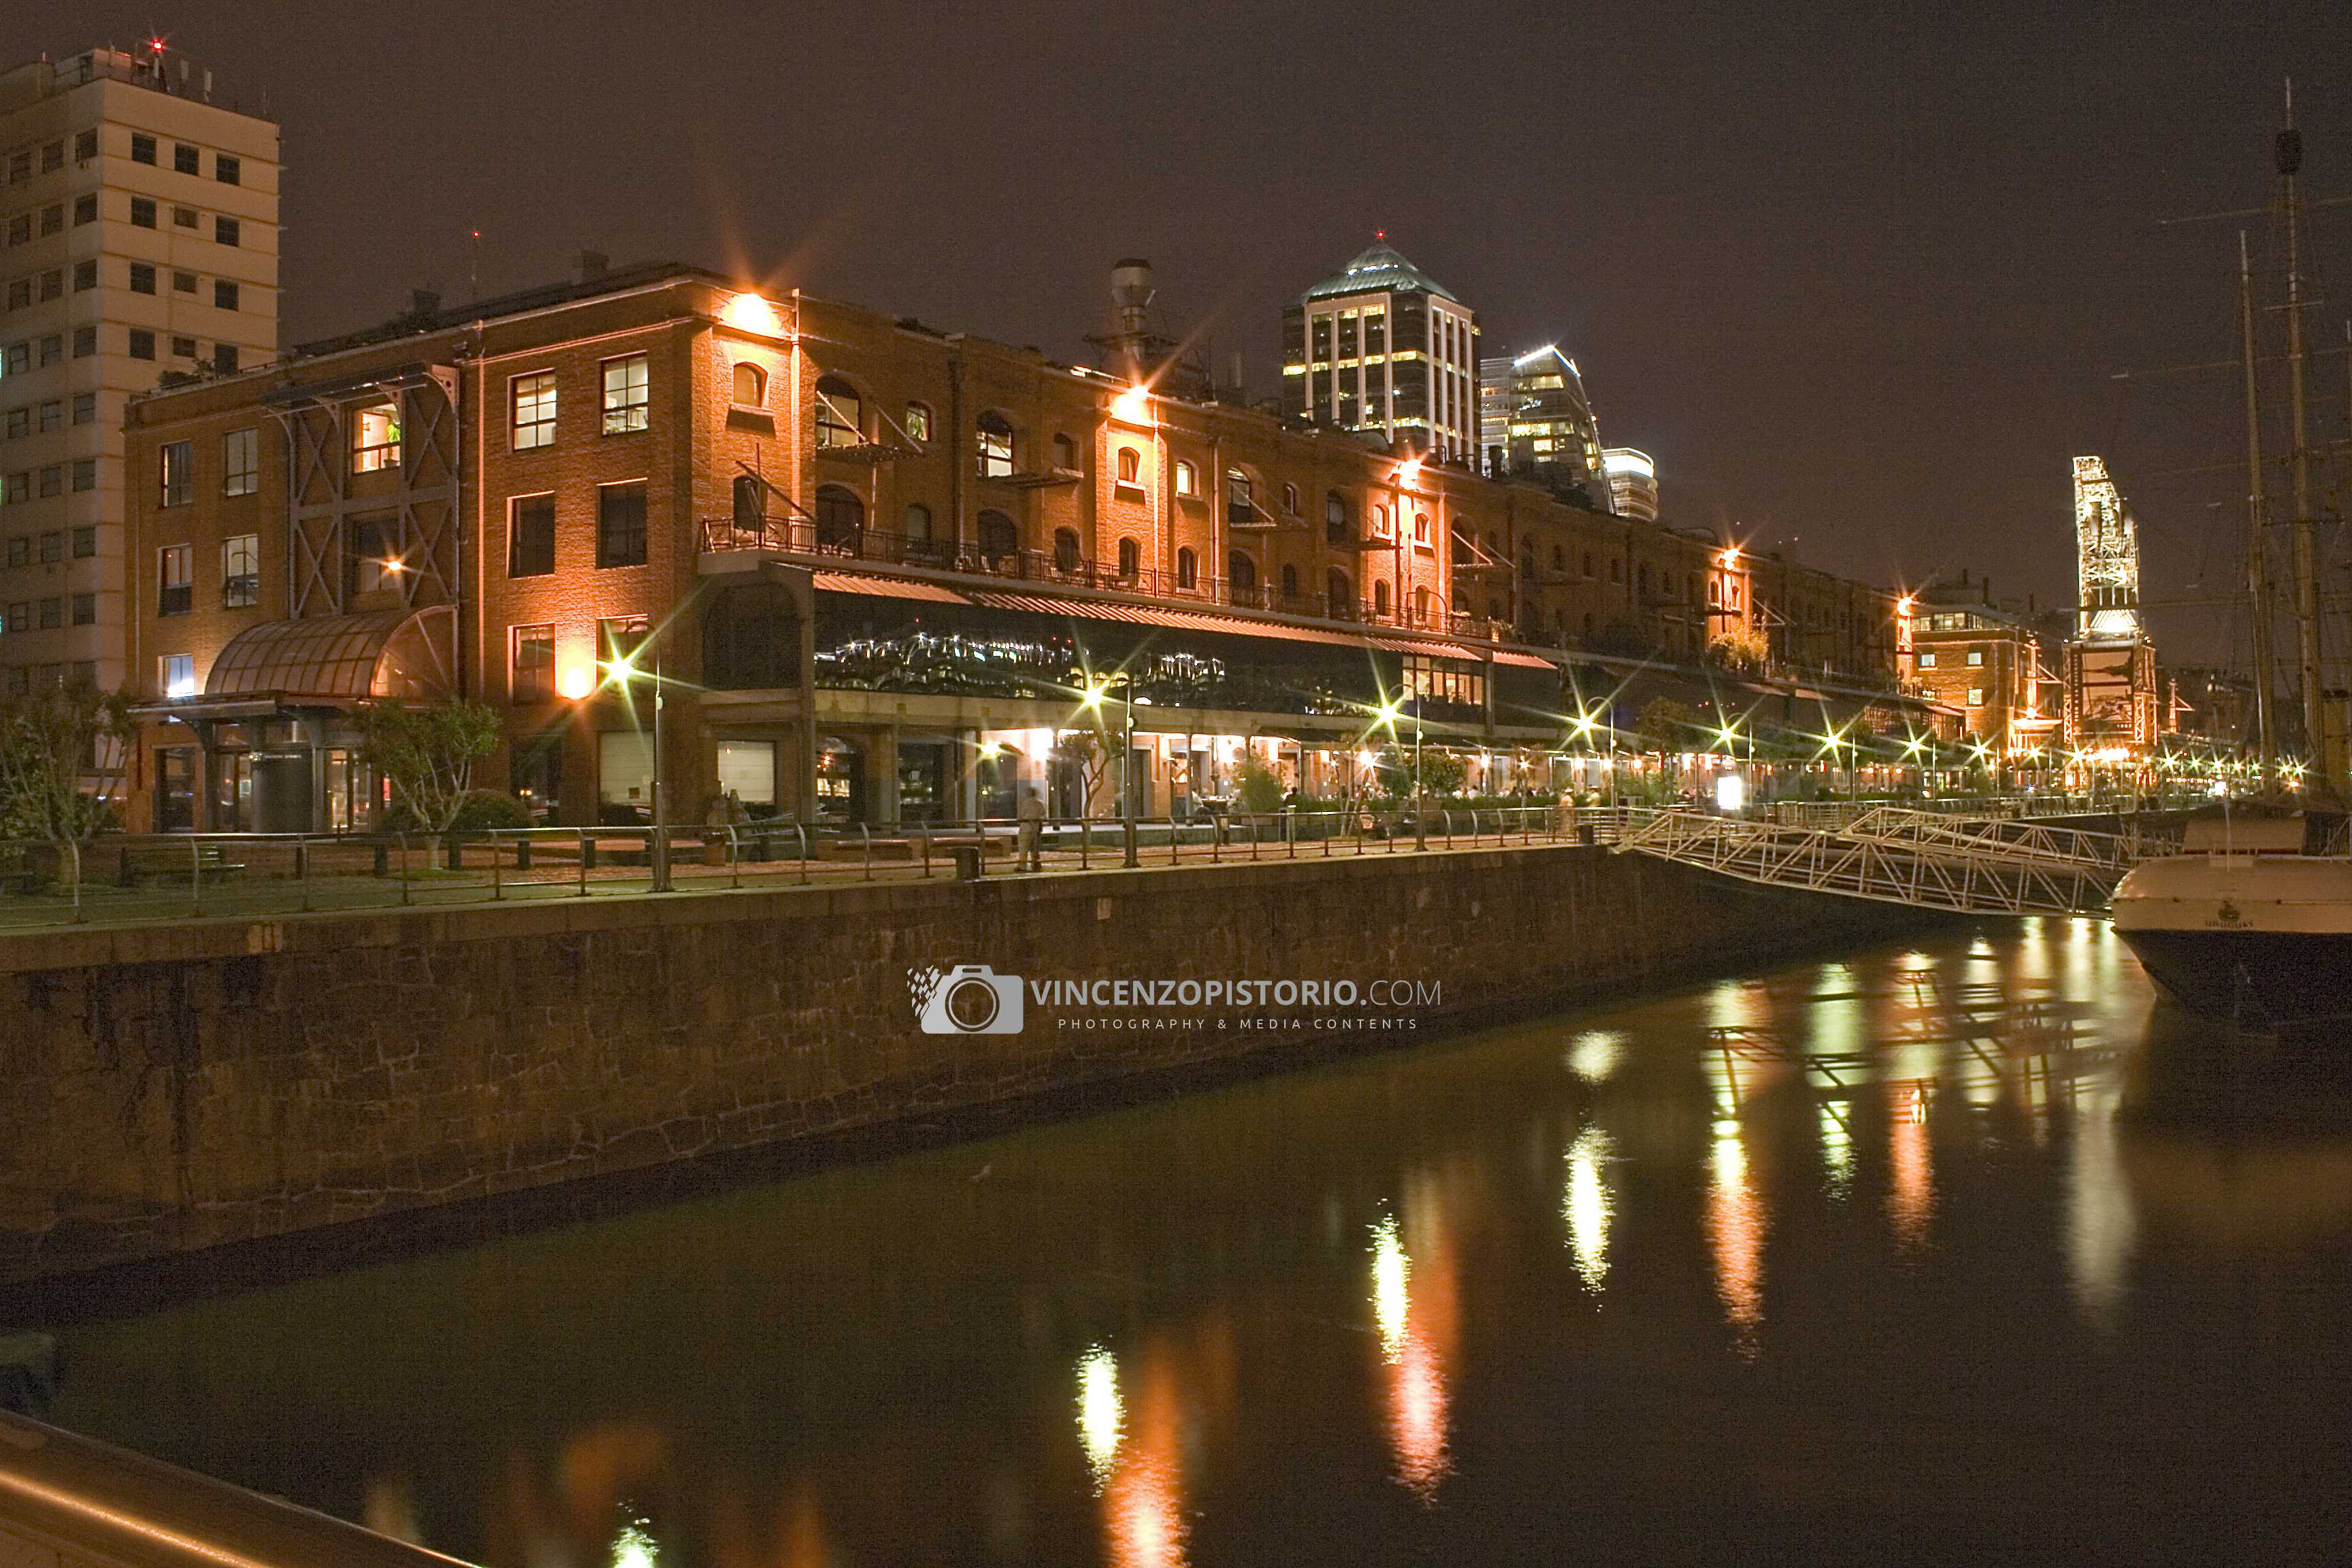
[1379, 268]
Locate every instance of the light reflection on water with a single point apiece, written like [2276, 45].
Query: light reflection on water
[1698, 1253]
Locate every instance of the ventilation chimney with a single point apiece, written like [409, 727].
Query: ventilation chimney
[1131, 290]
[594, 264]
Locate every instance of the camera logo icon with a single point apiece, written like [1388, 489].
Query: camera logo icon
[969, 999]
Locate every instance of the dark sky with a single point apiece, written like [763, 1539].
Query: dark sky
[1859, 277]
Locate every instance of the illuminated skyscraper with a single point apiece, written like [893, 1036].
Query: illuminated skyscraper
[2110, 665]
[1536, 421]
[1632, 483]
[1384, 348]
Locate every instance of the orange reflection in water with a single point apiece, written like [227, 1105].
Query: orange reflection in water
[1416, 1305]
[1911, 1191]
[1736, 1224]
[1143, 1500]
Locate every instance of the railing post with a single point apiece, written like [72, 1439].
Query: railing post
[657, 852]
[1086, 837]
[924, 828]
[585, 851]
[1172, 854]
[802, 833]
[196, 878]
[403, 868]
[734, 858]
[497, 870]
[866, 834]
[73, 847]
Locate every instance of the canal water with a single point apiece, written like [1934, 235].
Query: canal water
[1952, 1252]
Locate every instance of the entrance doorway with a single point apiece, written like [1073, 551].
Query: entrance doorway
[840, 782]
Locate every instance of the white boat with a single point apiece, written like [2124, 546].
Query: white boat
[2246, 926]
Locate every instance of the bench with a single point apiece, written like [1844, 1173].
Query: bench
[139, 862]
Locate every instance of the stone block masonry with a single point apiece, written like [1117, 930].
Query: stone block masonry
[172, 1088]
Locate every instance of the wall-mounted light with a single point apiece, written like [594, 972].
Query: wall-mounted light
[751, 313]
[575, 681]
[1133, 405]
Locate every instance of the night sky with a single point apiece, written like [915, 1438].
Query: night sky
[1860, 278]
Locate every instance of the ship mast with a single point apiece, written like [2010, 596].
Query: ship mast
[2258, 586]
[2289, 158]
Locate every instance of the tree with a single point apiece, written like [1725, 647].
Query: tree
[62, 754]
[1442, 771]
[1742, 649]
[1665, 726]
[1087, 751]
[428, 753]
[1260, 786]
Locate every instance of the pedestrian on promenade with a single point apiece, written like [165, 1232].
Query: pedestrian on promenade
[1032, 818]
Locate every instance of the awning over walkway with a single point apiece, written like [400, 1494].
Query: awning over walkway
[884, 587]
[339, 659]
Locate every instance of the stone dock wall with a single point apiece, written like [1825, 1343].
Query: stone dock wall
[172, 1088]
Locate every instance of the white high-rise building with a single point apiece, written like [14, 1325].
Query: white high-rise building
[138, 213]
[1633, 483]
[1383, 349]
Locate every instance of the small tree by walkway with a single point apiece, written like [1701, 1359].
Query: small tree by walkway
[429, 754]
[63, 751]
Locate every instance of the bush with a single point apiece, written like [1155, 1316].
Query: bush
[1260, 786]
[482, 811]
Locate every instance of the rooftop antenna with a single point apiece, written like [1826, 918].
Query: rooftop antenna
[474, 266]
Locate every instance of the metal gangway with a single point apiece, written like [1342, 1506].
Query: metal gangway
[1897, 856]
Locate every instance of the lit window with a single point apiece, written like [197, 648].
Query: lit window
[1976, 658]
[375, 438]
[241, 462]
[534, 410]
[1927, 661]
[995, 446]
[751, 386]
[1130, 466]
[240, 571]
[918, 421]
[628, 394]
[840, 414]
[177, 674]
[1188, 479]
[179, 462]
[1976, 696]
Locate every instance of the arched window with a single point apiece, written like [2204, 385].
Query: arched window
[840, 414]
[751, 384]
[1187, 478]
[918, 529]
[1335, 518]
[999, 539]
[1381, 599]
[1065, 550]
[750, 504]
[1130, 466]
[1380, 520]
[1421, 529]
[919, 422]
[1131, 559]
[1290, 583]
[1188, 569]
[1290, 500]
[995, 445]
[1339, 598]
[840, 519]
[1242, 572]
[1239, 506]
[1065, 452]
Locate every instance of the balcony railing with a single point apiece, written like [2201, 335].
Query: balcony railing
[1062, 569]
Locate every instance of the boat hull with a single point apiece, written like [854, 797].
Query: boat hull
[2260, 939]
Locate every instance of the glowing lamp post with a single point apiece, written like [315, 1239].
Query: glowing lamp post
[618, 674]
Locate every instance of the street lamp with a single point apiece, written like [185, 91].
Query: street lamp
[619, 673]
[1094, 700]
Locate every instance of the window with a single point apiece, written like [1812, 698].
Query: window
[1241, 506]
[53, 614]
[372, 555]
[1187, 478]
[534, 410]
[1381, 600]
[995, 433]
[85, 542]
[1065, 550]
[20, 550]
[143, 212]
[183, 217]
[918, 421]
[1188, 569]
[1335, 518]
[143, 148]
[228, 170]
[142, 342]
[1928, 660]
[226, 231]
[530, 536]
[619, 638]
[241, 462]
[1421, 529]
[1130, 466]
[53, 283]
[628, 394]
[1339, 598]
[240, 571]
[375, 438]
[17, 486]
[53, 217]
[532, 676]
[85, 407]
[1000, 540]
[85, 609]
[183, 348]
[85, 474]
[183, 282]
[183, 159]
[53, 547]
[1065, 453]
[85, 146]
[177, 674]
[1976, 658]
[1976, 696]
[143, 277]
[919, 527]
[52, 157]
[175, 585]
[1241, 572]
[179, 472]
[53, 481]
[85, 275]
[840, 520]
[53, 416]
[620, 522]
[1131, 557]
[19, 618]
[20, 293]
[224, 294]
[840, 414]
[20, 423]
[1421, 606]
[751, 386]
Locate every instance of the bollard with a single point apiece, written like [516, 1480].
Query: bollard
[971, 861]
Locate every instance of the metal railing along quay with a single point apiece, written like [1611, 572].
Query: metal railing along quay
[145, 878]
[69, 1500]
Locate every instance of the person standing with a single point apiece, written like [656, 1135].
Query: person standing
[1032, 817]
